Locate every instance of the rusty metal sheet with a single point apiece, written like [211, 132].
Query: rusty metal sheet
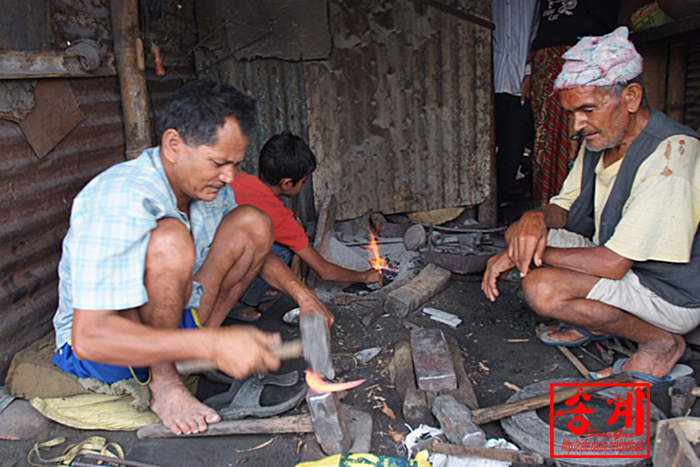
[399, 115]
[36, 195]
[25, 25]
[286, 29]
[278, 87]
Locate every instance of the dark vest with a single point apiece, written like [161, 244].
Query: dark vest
[677, 283]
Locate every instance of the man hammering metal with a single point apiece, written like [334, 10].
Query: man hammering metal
[161, 234]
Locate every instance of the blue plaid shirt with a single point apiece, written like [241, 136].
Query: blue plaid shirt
[104, 252]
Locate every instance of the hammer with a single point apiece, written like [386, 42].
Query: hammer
[314, 344]
[683, 394]
[285, 351]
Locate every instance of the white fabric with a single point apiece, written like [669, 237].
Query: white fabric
[516, 26]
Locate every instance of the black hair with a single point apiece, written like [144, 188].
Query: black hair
[617, 89]
[199, 108]
[285, 156]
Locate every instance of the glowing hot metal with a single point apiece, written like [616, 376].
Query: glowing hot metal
[317, 384]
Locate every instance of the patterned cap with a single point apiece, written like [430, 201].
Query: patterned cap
[600, 61]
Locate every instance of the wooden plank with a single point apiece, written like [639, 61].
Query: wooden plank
[27, 65]
[290, 424]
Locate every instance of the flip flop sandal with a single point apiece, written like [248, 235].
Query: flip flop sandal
[245, 397]
[676, 372]
[543, 332]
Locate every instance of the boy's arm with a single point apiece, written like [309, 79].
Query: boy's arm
[332, 272]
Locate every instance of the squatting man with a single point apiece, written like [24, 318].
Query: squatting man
[616, 253]
[157, 248]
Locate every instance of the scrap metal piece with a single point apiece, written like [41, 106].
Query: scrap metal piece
[317, 345]
[365, 355]
[458, 264]
[329, 423]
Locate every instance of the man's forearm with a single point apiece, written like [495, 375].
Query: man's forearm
[597, 261]
[279, 276]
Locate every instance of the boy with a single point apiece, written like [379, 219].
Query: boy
[286, 162]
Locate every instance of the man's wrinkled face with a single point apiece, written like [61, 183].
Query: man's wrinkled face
[202, 171]
[597, 115]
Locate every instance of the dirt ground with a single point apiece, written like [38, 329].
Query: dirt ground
[498, 344]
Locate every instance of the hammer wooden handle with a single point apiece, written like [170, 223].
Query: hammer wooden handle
[497, 412]
[285, 351]
[506, 455]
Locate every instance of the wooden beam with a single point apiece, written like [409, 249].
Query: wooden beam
[29, 65]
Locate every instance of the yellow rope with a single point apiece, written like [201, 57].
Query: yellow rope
[94, 444]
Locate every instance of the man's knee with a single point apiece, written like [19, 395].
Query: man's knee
[251, 225]
[541, 291]
[170, 247]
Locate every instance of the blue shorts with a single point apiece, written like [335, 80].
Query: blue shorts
[66, 360]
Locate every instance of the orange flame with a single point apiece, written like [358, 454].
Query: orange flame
[317, 384]
[377, 262]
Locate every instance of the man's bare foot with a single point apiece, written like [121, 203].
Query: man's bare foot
[251, 313]
[179, 410]
[655, 359]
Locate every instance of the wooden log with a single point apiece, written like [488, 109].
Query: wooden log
[431, 280]
[292, 424]
[29, 65]
[432, 361]
[415, 406]
[497, 412]
[403, 368]
[465, 391]
[505, 455]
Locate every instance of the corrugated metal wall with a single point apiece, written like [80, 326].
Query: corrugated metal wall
[399, 116]
[36, 196]
[278, 87]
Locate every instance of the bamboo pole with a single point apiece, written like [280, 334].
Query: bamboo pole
[132, 82]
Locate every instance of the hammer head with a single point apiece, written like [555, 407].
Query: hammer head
[317, 346]
[682, 396]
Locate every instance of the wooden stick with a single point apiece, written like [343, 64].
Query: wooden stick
[506, 455]
[576, 362]
[497, 412]
[292, 424]
[285, 351]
